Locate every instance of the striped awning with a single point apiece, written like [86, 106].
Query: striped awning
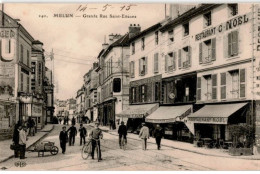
[138, 111]
[169, 114]
[215, 114]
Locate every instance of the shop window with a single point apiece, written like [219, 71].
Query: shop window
[208, 92]
[233, 44]
[171, 62]
[156, 38]
[184, 57]
[133, 48]
[132, 69]
[143, 43]
[207, 19]
[117, 85]
[156, 63]
[142, 66]
[186, 29]
[170, 36]
[223, 84]
[232, 9]
[207, 51]
[142, 93]
[133, 94]
[157, 91]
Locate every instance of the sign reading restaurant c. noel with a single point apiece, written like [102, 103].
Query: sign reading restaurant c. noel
[228, 25]
[209, 120]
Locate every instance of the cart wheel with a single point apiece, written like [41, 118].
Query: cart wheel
[54, 150]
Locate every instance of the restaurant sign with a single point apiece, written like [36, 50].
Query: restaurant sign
[209, 120]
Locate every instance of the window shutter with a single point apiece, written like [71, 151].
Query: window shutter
[229, 44]
[166, 63]
[140, 68]
[130, 69]
[156, 62]
[179, 59]
[223, 85]
[21, 81]
[214, 86]
[200, 55]
[235, 43]
[242, 78]
[146, 65]
[130, 95]
[28, 84]
[133, 71]
[189, 56]
[199, 88]
[213, 49]
[145, 93]
[174, 60]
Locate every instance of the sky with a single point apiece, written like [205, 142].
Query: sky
[78, 39]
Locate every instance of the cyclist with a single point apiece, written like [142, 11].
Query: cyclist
[95, 135]
[122, 131]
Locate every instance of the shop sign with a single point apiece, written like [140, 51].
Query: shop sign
[210, 120]
[36, 110]
[7, 33]
[160, 120]
[228, 25]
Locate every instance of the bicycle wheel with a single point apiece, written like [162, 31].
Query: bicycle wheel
[86, 151]
[54, 150]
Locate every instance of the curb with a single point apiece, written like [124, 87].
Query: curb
[47, 132]
[233, 157]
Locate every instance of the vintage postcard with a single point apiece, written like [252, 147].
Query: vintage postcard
[129, 87]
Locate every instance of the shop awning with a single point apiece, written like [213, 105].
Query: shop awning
[215, 114]
[138, 111]
[169, 114]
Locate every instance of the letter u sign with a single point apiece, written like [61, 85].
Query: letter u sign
[7, 49]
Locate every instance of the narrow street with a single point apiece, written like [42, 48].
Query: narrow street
[134, 158]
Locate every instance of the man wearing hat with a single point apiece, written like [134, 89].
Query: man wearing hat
[122, 131]
[96, 134]
[144, 135]
[63, 139]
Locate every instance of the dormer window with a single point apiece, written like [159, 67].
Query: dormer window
[143, 44]
[233, 9]
[207, 19]
[156, 38]
[170, 36]
[186, 29]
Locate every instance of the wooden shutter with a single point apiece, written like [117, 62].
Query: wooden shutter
[200, 53]
[140, 66]
[229, 44]
[21, 81]
[214, 86]
[179, 59]
[156, 67]
[174, 60]
[133, 73]
[146, 65]
[223, 85]
[198, 88]
[242, 79]
[213, 49]
[130, 95]
[21, 47]
[28, 84]
[166, 63]
[130, 69]
[189, 56]
[234, 43]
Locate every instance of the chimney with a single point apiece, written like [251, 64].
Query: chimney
[110, 38]
[134, 29]
[38, 44]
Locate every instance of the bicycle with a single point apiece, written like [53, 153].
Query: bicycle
[123, 143]
[87, 149]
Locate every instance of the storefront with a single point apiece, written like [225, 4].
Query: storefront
[170, 119]
[134, 115]
[106, 112]
[214, 121]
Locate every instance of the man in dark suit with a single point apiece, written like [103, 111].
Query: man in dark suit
[63, 139]
[72, 133]
[16, 140]
[83, 134]
[122, 131]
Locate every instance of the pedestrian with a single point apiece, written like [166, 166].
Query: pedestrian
[95, 135]
[73, 121]
[22, 141]
[83, 134]
[63, 139]
[144, 135]
[111, 124]
[122, 131]
[72, 133]
[16, 140]
[158, 134]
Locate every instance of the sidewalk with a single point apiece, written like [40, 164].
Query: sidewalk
[5, 151]
[184, 146]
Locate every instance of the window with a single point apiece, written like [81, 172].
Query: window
[157, 91]
[156, 63]
[132, 69]
[234, 84]
[232, 9]
[117, 85]
[143, 93]
[143, 43]
[207, 19]
[133, 94]
[21, 53]
[28, 84]
[242, 78]
[156, 38]
[199, 88]
[186, 29]
[143, 66]
[170, 62]
[170, 36]
[208, 93]
[214, 86]
[233, 44]
[207, 51]
[28, 58]
[184, 57]
[133, 48]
